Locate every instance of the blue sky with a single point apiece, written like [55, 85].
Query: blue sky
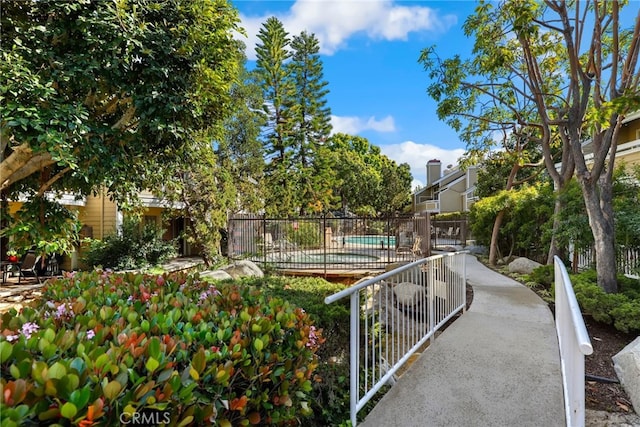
[370, 50]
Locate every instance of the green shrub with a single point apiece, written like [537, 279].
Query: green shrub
[97, 346]
[621, 309]
[305, 234]
[543, 275]
[331, 385]
[136, 247]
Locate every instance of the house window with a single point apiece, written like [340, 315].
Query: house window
[637, 133]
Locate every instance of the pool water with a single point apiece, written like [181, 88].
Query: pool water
[337, 258]
[371, 240]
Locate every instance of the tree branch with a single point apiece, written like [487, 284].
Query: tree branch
[21, 163]
[44, 187]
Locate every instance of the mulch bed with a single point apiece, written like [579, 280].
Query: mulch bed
[606, 342]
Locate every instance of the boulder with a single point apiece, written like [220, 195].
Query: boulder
[523, 265]
[408, 293]
[216, 274]
[627, 366]
[244, 268]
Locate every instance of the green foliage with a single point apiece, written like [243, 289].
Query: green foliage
[101, 93]
[543, 275]
[306, 234]
[626, 189]
[366, 181]
[46, 226]
[526, 222]
[331, 386]
[135, 247]
[109, 95]
[240, 152]
[621, 309]
[98, 346]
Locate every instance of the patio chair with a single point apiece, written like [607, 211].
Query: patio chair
[450, 232]
[414, 250]
[29, 266]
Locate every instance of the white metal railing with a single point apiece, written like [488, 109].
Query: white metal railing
[394, 314]
[574, 343]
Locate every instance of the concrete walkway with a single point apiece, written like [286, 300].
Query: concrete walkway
[497, 365]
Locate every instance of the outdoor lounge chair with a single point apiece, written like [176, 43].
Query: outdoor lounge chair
[29, 266]
[414, 250]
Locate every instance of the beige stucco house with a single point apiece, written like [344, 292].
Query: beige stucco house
[451, 191]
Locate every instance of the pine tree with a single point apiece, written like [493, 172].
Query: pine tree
[311, 123]
[277, 90]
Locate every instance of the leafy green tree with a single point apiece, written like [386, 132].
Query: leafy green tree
[394, 194]
[626, 190]
[527, 212]
[100, 93]
[506, 170]
[240, 150]
[105, 94]
[579, 68]
[366, 181]
[311, 118]
[203, 191]
[357, 178]
[626, 197]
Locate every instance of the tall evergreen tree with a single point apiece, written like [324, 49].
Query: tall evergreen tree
[277, 90]
[311, 119]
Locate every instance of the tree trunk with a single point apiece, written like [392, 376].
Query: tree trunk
[600, 212]
[493, 247]
[553, 246]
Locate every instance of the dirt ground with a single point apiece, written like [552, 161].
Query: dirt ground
[607, 403]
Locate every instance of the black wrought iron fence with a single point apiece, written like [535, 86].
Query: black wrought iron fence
[450, 232]
[328, 242]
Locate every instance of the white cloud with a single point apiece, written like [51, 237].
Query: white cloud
[334, 21]
[417, 155]
[355, 125]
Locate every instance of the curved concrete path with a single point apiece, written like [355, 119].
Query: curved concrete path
[497, 365]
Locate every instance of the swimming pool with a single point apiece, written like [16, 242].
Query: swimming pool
[371, 240]
[336, 258]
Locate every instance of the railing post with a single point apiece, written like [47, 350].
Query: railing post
[354, 359]
[324, 242]
[264, 240]
[463, 274]
[431, 297]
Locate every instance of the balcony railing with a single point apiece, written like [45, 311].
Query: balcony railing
[428, 206]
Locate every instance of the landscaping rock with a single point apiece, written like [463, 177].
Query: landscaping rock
[523, 265]
[408, 293]
[244, 268]
[216, 274]
[627, 366]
